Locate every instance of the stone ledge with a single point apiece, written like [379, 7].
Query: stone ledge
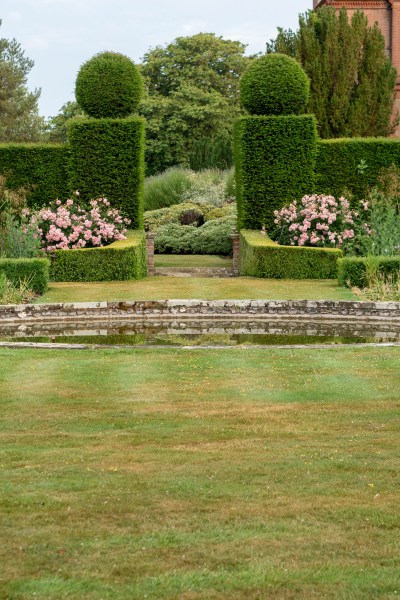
[199, 309]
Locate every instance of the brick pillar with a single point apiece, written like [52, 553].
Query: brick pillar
[150, 237]
[235, 244]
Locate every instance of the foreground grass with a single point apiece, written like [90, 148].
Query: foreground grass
[168, 474]
[159, 288]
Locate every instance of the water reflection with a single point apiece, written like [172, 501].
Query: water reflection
[202, 332]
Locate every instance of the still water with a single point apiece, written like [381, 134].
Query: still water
[202, 332]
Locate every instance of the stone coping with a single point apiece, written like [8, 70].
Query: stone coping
[202, 309]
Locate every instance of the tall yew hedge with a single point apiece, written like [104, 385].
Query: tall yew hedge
[107, 159]
[275, 161]
[275, 146]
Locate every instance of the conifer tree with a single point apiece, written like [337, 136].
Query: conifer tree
[19, 116]
[352, 80]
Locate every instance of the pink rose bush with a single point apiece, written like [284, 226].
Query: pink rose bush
[318, 220]
[64, 226]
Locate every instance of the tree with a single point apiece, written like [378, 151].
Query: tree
[352, 89]
[192, 97]
[19, 115]
[57, 126]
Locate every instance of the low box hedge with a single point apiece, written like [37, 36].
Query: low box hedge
[261, 257]
[352, 271]
[35, 271]
[125, 259]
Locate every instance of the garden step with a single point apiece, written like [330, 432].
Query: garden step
[194, 271]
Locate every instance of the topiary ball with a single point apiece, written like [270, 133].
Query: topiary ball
[109, 85]
[274, 84]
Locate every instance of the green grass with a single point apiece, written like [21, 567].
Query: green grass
[159, 288]
[192, 260]
[201, 474]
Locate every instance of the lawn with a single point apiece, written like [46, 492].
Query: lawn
[192, 260]
[200, 474]
[208, 288]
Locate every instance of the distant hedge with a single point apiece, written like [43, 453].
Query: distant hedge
[261, 257]
[35, 271]
[125, 259]
[107, 159]
[275, 162]
[352, 271]
[41, 168]
[353, 164]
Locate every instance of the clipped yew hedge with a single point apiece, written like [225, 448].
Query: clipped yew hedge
[107, 159]
[121, 260]
[35, 271]
[262, 257]
[353, 164]
[40, 168]
[275, 163]
[274, 84]
[109, 85]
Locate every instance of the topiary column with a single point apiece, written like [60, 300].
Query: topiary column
[275, 146]
[107, 147]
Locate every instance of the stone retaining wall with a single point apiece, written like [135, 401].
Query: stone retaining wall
[195, 309]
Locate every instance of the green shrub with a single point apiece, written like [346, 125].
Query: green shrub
[222, 211]
[274, 84]
[211, 238]
[39, 168]
[33, 271]
[125, 259]
[357, 270]
[173, 238]
[109, 85]
[353, 165]
[153, 219]
[207, 187]
[166, 188]
[274, 164]
[18, 240]
[261, 257]
[211, 153]
[3, 283]
[11, 293]
[230, 189]
[107, 159]
[214, 237]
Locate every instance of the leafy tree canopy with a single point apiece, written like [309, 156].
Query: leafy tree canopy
[19, 116]
[57, 126]
[192, 97]
[352, 88]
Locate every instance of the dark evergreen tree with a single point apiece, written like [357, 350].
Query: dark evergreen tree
[19, 115]
[352, 88]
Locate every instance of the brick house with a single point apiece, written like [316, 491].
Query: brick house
[387, 14]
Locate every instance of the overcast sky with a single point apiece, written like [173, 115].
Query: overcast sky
[60, 35]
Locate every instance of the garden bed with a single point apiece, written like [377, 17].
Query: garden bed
[261, 257]
[121, 260]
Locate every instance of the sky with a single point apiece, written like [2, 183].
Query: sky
[60, 35]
